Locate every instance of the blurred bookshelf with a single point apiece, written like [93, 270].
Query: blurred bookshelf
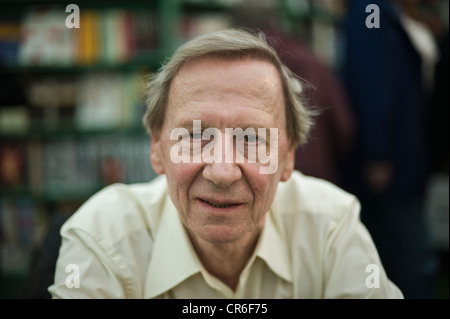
[70, 112]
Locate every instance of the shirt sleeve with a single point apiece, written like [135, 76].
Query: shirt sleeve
[85, 270]
[353, 268]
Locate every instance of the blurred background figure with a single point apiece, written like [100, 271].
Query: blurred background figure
[388, 74]
[437, 195]
[332, 134]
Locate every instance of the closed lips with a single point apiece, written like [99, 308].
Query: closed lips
[218, 205]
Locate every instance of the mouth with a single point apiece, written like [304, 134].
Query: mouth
[219, 205]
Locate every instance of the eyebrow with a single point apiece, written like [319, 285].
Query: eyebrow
[185, 119]
[188, 124]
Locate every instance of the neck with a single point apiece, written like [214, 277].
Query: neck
[226, 261]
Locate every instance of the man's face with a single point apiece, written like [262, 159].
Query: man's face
[222, 202]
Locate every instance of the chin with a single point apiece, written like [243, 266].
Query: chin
[220, 234]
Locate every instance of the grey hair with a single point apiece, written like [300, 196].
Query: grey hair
[229, 44]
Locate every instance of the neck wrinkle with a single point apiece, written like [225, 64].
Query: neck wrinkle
[225, 261]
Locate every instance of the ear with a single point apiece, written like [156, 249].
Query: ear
[156, 157]
[289, 165]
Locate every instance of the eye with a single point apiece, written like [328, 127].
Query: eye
[196, 135]
[250, 138]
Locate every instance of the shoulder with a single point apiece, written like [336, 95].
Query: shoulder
[118, 210]
[308, 195]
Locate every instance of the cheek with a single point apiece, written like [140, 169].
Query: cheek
[180, 177]
[263, 187]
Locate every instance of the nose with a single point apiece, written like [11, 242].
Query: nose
[222, 174]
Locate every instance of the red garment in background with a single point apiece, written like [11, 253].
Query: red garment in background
[332, 134]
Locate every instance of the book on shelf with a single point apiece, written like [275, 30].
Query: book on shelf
[18, 222]
[35, 177]
[10, 30]
[22, 229]
[108, 100]
[89, 41]
[118, 36]
[109, 36]
[12, 165]
[146, 31]
[80, 167]
[100, 100]
[194, 25]
[14, 119]
[45, 39]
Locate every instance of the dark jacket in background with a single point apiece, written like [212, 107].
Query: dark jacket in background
[383, 76]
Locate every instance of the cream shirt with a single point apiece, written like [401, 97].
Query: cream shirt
[127, 241]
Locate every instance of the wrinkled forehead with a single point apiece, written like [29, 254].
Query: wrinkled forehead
[254, 82]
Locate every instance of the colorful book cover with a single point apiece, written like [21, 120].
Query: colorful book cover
[89, 42]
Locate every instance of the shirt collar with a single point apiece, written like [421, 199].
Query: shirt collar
[273, 249]
[173, 253]
[173, 259]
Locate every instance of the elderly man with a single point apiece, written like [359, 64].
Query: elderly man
[225, 117]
